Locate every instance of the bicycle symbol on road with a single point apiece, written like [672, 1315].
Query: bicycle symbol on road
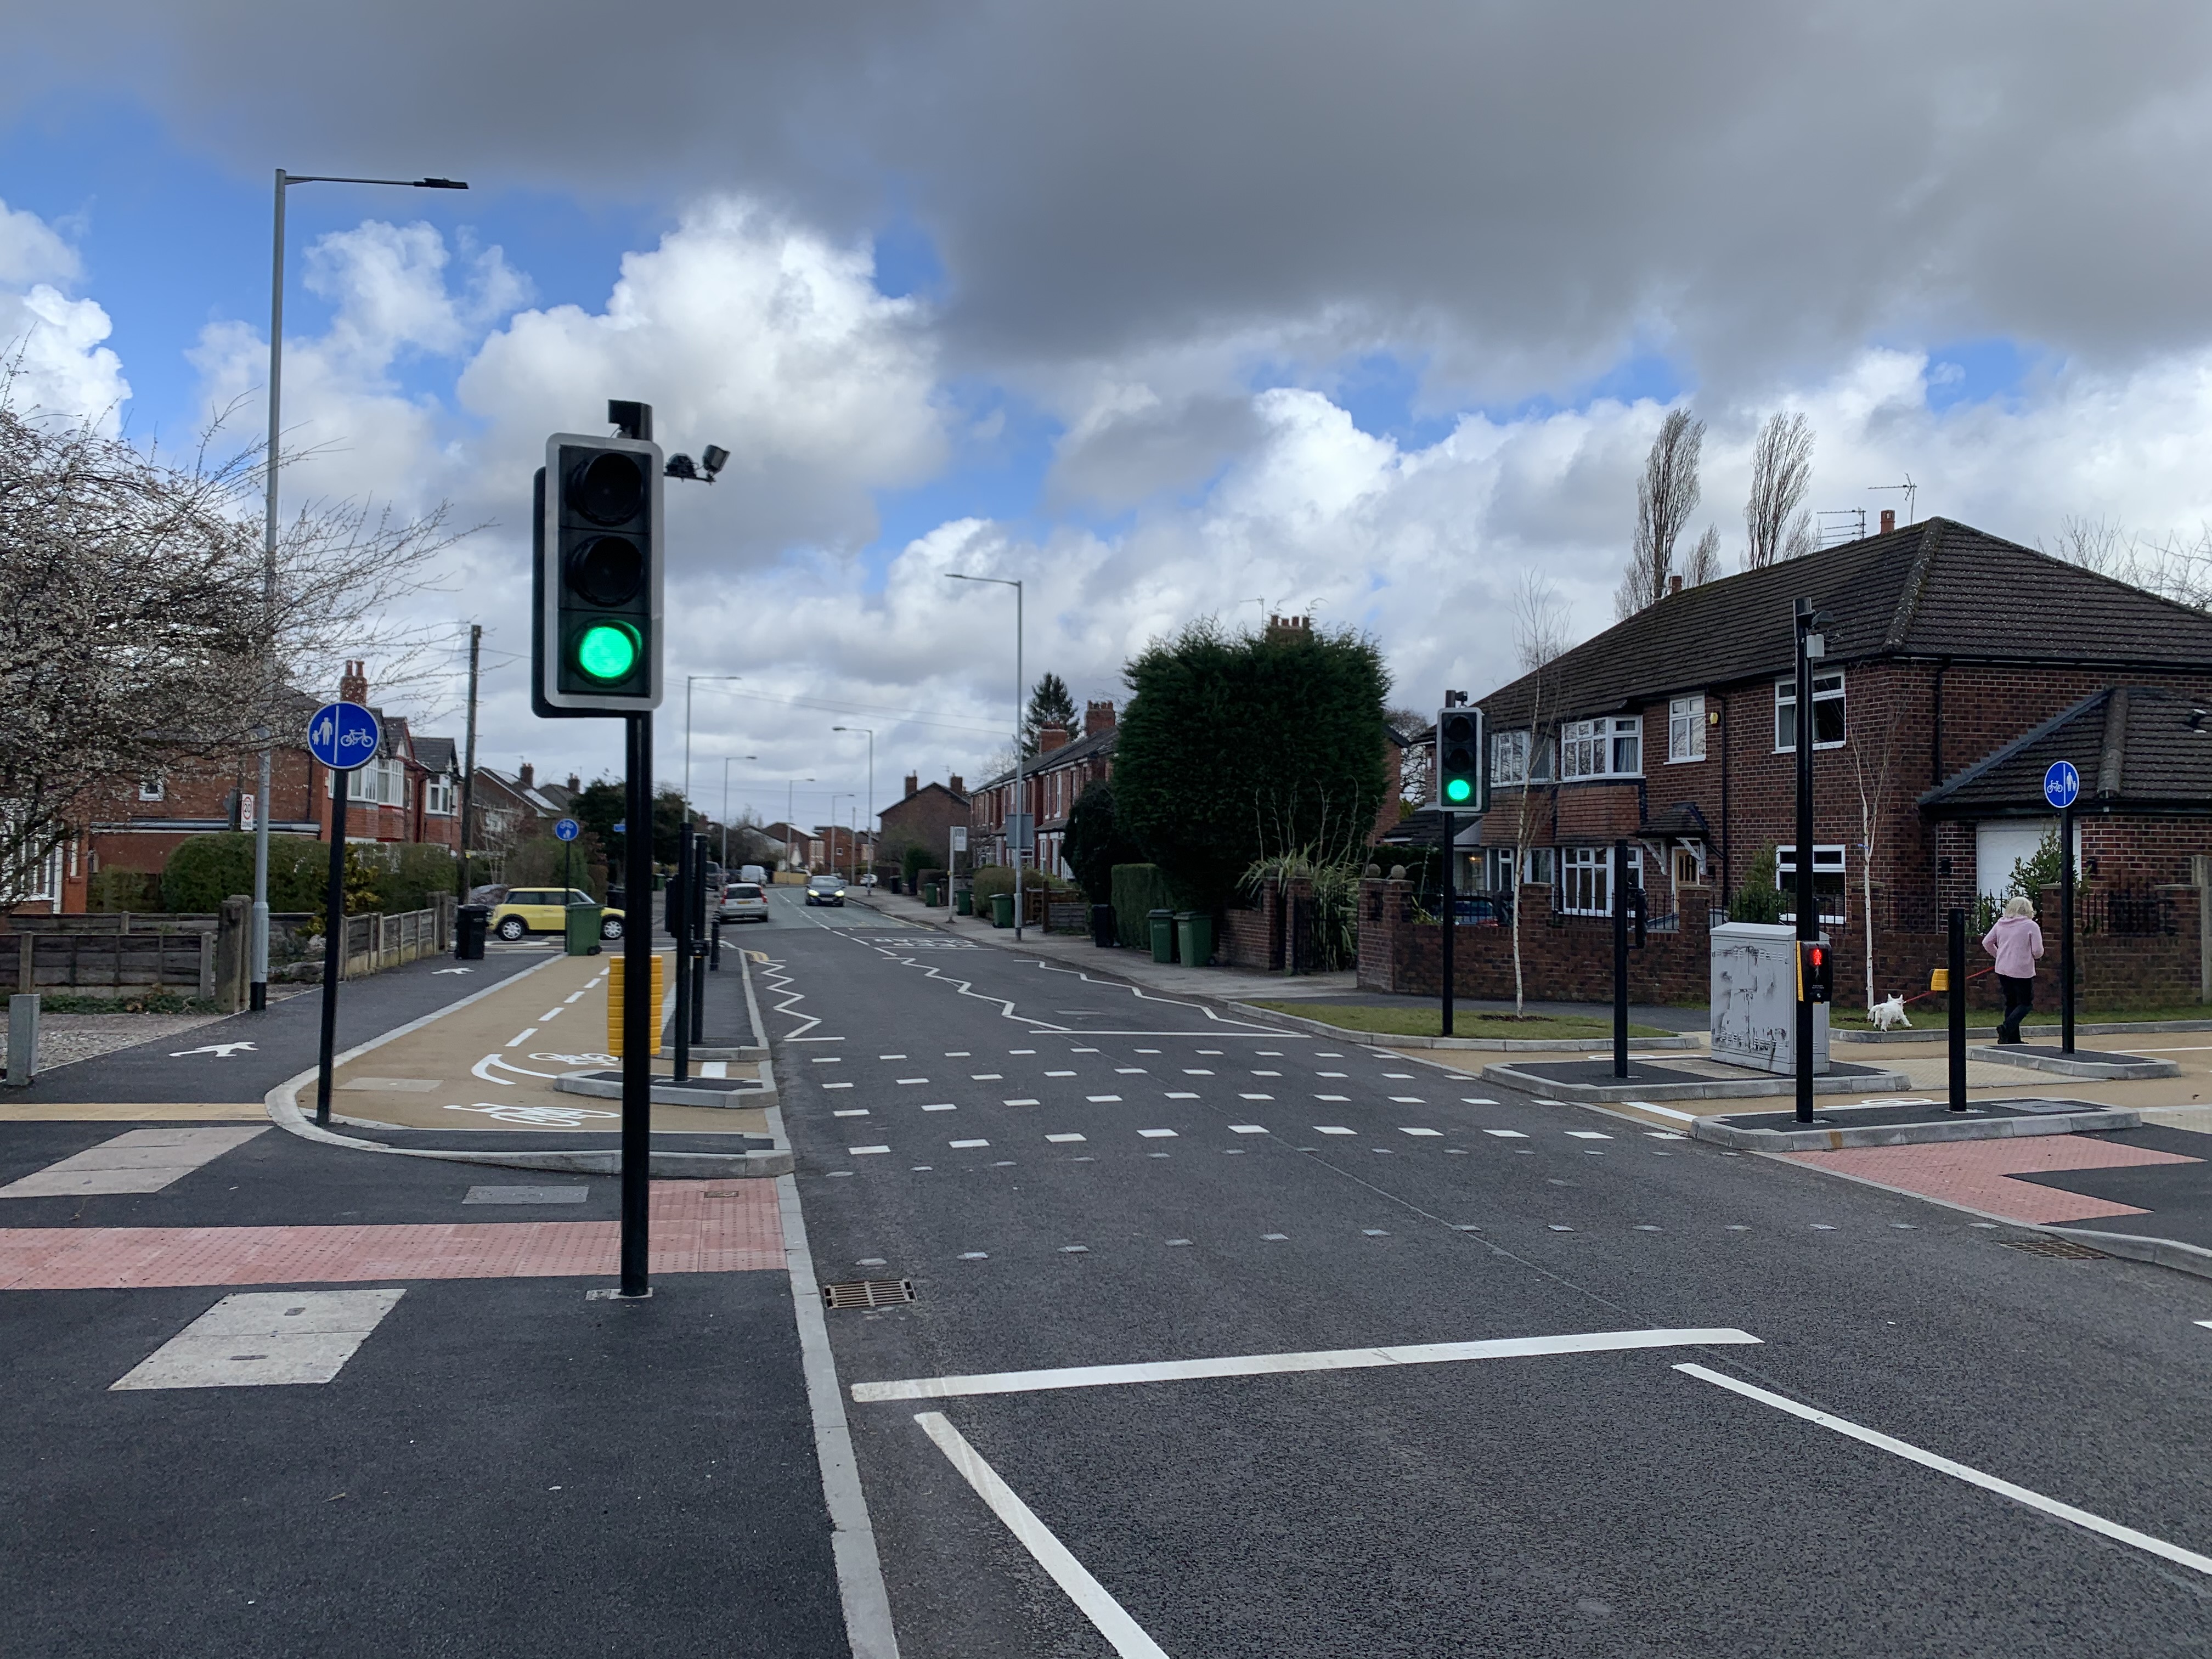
[557, 1117]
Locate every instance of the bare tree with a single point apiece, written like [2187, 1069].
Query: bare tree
[1872, 773]
[2175, 569]
[135, 627]
[1704, 561]
[1666, 495]
[1781, 473]
[1539, 639]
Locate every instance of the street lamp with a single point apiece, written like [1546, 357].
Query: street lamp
[726, 759]
[871, 788]
[790, 806]
[258, 994]
[690, 680]
[1021, 801]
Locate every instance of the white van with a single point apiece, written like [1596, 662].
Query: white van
[754, 873]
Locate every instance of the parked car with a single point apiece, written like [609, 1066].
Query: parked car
[527, 910]
[825, 890]
[753, 873]
[743, 900]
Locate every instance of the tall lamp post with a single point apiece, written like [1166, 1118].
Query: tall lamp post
[791, 807]
[691, 680]
[258, 995]
[1021, 817]
[871, 788]
[726, 759]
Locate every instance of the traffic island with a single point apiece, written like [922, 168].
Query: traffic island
[752, 1086]
[1908, 1123]
[2101, 1066]
[1595, 1079]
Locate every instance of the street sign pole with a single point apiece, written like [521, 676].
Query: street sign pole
[639, 1015]
[2066, 930]
[341, 735]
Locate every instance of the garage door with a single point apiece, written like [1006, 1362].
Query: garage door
[1999, 845]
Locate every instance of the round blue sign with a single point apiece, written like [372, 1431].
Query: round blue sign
[566, 829]
[2062, 784]
[343, 736]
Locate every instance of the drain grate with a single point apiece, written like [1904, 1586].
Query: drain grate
[2064, 1248]
[869, 1293]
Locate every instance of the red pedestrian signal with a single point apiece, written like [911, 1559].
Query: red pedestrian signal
[1816, 971]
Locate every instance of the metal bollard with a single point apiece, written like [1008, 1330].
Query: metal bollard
[22, 1041]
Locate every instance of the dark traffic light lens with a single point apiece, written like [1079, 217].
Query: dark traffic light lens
[1458, 728]
[607, 570]
[609, 489]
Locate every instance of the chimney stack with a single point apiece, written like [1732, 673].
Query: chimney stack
[1888, 520]
[955, 786]
[353, 684]
[528, 776]
[1097, 717]
[1673, 585]
[913, 782]
[576, 784]
[1050, 738]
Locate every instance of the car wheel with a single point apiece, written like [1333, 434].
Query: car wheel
[511, 929]
[611, 927]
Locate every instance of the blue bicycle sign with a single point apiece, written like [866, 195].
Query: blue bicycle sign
[2062, 785]
[343, 736]
[566, 829]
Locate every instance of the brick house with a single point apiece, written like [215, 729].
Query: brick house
[923, 817]
[1053, 781]
[1954, 661]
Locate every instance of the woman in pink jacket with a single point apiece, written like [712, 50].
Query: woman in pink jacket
[2015, 942]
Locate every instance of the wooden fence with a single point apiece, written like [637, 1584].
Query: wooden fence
[372, 943]
[174, 961]
[124, 954]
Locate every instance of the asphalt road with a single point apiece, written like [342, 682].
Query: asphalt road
[1073, 1175]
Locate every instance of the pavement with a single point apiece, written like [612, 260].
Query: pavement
[1232, 1340]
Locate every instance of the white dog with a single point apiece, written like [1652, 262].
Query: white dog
[1889, 1012]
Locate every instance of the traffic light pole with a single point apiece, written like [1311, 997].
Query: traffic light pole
[1451, 915]
[698, 906]
[638, 1014]
[679, 927]
[1809, 918]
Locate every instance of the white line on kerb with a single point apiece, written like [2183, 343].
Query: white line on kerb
[1972, 1477]
[1270, 1365]
[1126, 1636]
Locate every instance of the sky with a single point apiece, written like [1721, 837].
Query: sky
[1216, 309]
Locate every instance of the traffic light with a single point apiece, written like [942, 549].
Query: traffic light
[1816, 970]
[1462, 779]
[595, 632]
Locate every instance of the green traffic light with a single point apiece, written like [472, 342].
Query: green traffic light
[607, 651]
[1458, 789]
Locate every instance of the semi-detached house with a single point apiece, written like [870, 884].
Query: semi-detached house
[1954, 661]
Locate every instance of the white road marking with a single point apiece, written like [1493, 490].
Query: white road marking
[1402, 1077]
[1013, 1051]
[1248, 1128]
[912, 1079]
[1174, 1095]
[1075, 1249]
[574, 996]
[434, 971]
[1373, 1232]
[829, 1060]
[1335, 1100]
[890, 1056]
[1267, 1074]
[136, 1161]
[1276, 1365]
[941, 1106]
[1196, 1071]
[227, 1051]
[1102, 1098]
[958, 1054]
[853, 1111]
[986, 1077]
[1972, 1477]
[974, 1255]
[1589, 1134]
[865, 1152]
[1276, 1238]
[837, 1085]
[714, 1068]
[1332, 1074]
[1157, 1134]
[1130, 1070]
[1018, 1103]
[1255, 1097]
[1407, 1100]
[963, 1145]
[519, 1038]
[1506, 1134]
[1664, 1134]
[1059, 1140]
[1060, 1074]
[1664, 1111]
[1404, 1131]
[263, 1338]
[1330, 1129]
[1474, 1100]
[550, 1013]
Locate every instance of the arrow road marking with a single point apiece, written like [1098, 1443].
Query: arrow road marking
[452, 970]
[220, 1050]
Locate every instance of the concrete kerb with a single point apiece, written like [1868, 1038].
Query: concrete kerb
[282, 1104]
[2106, 1070]
[1722, 1132]
[738, 1093]
[2134, 1247]
[1491, 1045]
[1752, 1088]
[2109, 1028]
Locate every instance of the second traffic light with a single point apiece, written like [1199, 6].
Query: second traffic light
[1462, 779]
[1816, 971]
[598, 579]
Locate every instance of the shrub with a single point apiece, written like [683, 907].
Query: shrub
[912, 862]
[1138, 889]
[205, 870]
[1759, 899]
[1095, 843]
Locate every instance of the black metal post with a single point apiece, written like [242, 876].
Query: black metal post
[1808, 913]
[695, 905]
[334, 922]
[640, 1014]
[1957, 1011]
[2066, 931]
[1451, 915]
[1621, 959]
[679, 923]
[714, 952]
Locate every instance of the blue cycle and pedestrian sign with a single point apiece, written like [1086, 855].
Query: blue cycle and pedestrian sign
[2062, 785]
[343, 736]
[566, 829]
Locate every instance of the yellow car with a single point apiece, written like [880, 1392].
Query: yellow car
[528, 910]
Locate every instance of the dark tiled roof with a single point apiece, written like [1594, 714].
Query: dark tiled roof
[1934, 589]
[1682, 821]
[2135, 748]
[1067, 754]
[436, 753]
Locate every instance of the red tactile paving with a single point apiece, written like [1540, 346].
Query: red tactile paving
[1976, 1173]
[697, 1227]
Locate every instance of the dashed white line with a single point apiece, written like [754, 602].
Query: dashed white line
[1506, 1134]
[1102, 1098]
[1255, 1097]
[1248, 1128]
[1407, 1100]
[911, 1080]
[853, 1111]
[837, 1086]
[1589, 1134]
[1404, 1131]
[521, 1037]
[1058, 1140]
[1330, 1129]
[1060, 1074]
[941, 1106]
[963, 1145]
[986, 1077]
[1476, 1100]
[1174, 1096]
[865, 1151]
[1018, 1103]
[1157, 1134]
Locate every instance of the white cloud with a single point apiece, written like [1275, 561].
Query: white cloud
[49, 343]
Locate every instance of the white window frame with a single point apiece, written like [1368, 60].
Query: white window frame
[155, 788]
[440, 795]
[50, 880]
[1828, 860]
[1586, 877]
[1596, 748]
[1685, 729]
[1827, 687]
[1509, 759]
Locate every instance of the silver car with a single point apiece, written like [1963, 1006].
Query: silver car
[742, 901]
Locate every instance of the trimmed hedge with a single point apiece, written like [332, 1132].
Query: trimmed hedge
[1138, 889]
